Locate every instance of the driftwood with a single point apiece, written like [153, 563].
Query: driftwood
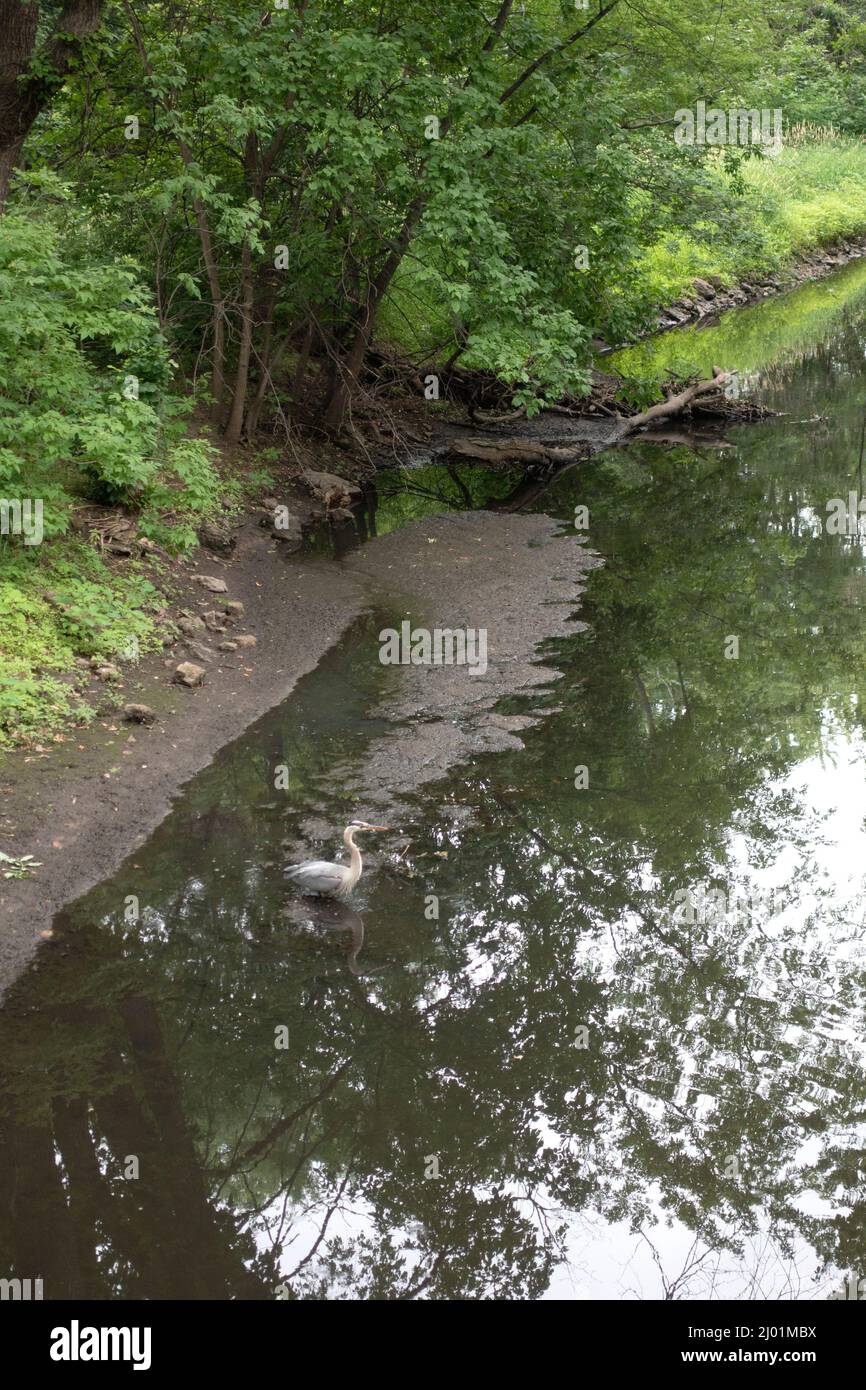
[515, 451]
[483, 418]
[674, 405]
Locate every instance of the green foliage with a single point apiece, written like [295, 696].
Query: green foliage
[639, 392]
[85, 372]
[812, 194]
[312, 130]
[18, 866]
[86, 413]
[57, 604]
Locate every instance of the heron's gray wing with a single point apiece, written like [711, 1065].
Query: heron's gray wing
[318, 875]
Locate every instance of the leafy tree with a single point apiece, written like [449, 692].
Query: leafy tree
[40, 42]
[87, 405]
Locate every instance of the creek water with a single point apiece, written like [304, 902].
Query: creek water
[575, 1041]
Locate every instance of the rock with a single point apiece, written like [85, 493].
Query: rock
[291, 540]
[187, 673]
[716, 281]
[704, 288]
[284, 526]
[199, 650]
[215, 621]
[216, 537]
[246, 640]
[270, 503]
[190, 625]
[139, 714]
[228, 646]
[108, 673]
[328, 487]
[234, 608]
[212, 584]
[144, 544]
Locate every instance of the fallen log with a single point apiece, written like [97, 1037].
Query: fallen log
[674, 405]
[515, 451]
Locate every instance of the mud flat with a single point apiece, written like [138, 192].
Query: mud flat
[82, 806]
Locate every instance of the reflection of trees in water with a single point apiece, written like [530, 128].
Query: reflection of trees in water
[717, 1086]
[99, 1087]
[778, 337]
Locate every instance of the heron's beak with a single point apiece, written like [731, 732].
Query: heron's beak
[378, 827]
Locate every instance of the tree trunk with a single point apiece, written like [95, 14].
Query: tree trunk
[349, 370]
[22, 95]
[217, 377]
[302, 362]
[252, 421]
[496, 451]
[236, 417]
[347, 377]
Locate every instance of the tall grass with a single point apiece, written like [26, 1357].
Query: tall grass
[811, 194]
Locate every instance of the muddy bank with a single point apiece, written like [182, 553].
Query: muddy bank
[79, 807]
[82, 806]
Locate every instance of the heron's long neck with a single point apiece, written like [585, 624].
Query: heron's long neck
[355, 870]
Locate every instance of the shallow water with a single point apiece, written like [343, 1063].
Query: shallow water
[626, 1058]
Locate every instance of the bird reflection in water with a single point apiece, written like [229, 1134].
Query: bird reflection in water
[331, 915]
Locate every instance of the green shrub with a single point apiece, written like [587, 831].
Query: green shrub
[86, 408]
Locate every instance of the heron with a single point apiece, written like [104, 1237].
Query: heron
[333, 880]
